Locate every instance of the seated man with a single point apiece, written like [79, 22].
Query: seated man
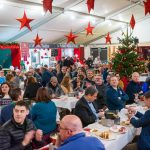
[134, 88]
[72, 137]
[89, 80]
[86, 109]
[18, 133]
[142, 121]
[54, 88]
[101, 96]
[115, 96]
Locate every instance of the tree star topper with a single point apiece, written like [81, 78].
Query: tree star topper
[37, 40]
[89, 29]
[108, 38]
[47, 5]
[71, 37]
[132, 22]
[25, 21]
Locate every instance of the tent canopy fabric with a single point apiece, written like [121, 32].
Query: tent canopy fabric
[107, 16]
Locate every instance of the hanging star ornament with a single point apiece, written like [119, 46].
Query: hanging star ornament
[47, 5]
[132, 22]
[108, 38]
[25, 21]
[89, 29]
[147, 7]
[71, 37]
[37, 40]
[90, 5]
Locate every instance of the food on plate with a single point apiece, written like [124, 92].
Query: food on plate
[125, 123]
[122, 130]
[94, 130]
[105, 135]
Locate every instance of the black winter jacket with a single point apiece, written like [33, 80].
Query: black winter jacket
[12, 135]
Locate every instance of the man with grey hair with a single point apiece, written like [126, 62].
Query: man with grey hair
[86, 109]
[72, 137]
[134, 88]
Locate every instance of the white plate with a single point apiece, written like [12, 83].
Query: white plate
[117, 129]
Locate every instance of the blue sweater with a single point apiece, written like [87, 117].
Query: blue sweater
[115, 99]
[144, 122]
[44, 116]
[81, 142]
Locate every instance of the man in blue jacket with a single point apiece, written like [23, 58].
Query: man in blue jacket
[143, 121]
[134, 88]
[115, 96]
[72, 137]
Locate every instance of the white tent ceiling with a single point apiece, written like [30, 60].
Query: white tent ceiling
[108, 16]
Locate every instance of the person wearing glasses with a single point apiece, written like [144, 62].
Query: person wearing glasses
[72, 137]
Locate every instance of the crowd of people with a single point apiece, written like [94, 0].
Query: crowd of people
[28, 116]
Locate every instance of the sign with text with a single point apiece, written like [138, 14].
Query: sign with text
[24, 49]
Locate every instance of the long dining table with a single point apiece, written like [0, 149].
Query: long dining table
[120, 140]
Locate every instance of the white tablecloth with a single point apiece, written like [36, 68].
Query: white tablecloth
[121, 139]
[66, 102]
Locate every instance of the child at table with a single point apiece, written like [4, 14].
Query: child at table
[141, 120]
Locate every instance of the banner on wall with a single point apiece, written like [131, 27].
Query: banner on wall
[6, 59]
[24, 50]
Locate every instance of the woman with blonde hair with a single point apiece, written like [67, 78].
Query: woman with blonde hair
[66, 85]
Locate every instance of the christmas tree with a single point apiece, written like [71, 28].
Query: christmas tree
[127, 60]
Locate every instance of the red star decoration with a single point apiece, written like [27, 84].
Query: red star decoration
[132, 22]
[147, 7]
[71, 37]
[90, 5]
[47, 5]
[27, 62]
[89, 29]
[42, 57]
[25, 21]
[45, 54]
[37, 40]
[108, 38]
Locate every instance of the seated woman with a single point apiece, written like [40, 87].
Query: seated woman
[44, 112]
[5, 94]
[77, 83]
[54, 88]
[7, 111]
[31, 88]
[66, 85]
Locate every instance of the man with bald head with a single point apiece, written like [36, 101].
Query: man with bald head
[72, 137]
[133, 88]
